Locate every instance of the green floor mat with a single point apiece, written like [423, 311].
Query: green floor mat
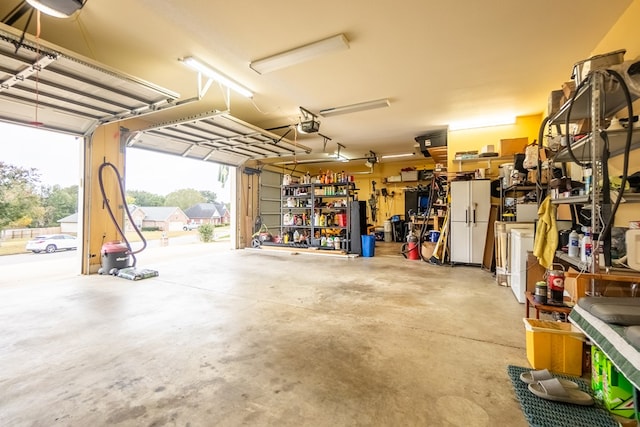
[545, 413]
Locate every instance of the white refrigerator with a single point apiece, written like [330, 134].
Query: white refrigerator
[470, 207]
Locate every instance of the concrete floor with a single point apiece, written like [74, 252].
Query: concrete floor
[248, 337]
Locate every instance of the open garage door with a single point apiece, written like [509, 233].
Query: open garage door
[41, 86]
[269, 194]
[216, 137]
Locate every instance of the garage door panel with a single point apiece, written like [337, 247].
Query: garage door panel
[75, 95]
[72, 94]
[215, 136]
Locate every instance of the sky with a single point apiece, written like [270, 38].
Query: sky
[57, 157]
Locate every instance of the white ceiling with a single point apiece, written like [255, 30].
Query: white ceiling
[437, 62]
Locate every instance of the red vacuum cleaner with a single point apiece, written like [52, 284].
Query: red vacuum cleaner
[117, 258]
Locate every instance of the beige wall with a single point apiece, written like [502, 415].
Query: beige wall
[624, 35]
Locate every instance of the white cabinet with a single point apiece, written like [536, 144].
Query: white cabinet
[470, 207]
[521, 242]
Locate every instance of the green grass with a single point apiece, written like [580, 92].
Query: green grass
[17, 246]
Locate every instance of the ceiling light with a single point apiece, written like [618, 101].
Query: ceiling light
[362, 106]
[300, 54]
[368, 164]
[212, 74]
[483, 122]
[57, 8]
[393, 156]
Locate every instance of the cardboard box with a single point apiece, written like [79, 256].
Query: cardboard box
[532, 176]
[427, 249]
[568, 88]
[555, 102]
[556, 346]
[513, 146]
[535, 272]
[617, 392]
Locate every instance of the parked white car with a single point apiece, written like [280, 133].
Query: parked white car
[50, 243]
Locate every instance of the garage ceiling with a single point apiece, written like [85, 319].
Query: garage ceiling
[437, 62]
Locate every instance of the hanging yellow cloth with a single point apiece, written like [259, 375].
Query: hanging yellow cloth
[546, 239]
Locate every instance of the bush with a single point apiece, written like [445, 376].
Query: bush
[156, 228]
[206, 232]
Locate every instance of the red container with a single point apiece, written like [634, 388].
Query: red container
[555, 284]
[341, 218]
[412, 248]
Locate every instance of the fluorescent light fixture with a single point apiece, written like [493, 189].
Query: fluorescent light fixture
[212, 74]
[394, 156]
[362, 106]
[300, 54]
[483, 122]
[57, 8]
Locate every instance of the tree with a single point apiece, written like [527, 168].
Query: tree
[19, 200]
[184, 199]
[58, 203]
[209, 196]
[144, 198]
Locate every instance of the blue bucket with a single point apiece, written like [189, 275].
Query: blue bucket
[434, 236]
[368, 245]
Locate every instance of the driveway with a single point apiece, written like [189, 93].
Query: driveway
[30, 267]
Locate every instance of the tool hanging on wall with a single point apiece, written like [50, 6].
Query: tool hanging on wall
[373, 201]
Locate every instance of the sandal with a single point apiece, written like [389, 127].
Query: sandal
[533, 377]
[553, 390]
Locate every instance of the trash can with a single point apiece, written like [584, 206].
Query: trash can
[368, 245]
[388, 236]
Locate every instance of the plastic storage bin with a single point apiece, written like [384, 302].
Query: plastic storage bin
[555, 346]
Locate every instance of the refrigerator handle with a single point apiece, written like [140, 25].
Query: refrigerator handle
[475, 206]
[466, 216]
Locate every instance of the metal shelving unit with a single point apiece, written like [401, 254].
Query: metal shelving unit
[596, 102]
[315, 209]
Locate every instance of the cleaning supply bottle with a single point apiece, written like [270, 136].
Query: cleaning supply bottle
[574, 244]
[588, 245]
[585, 247]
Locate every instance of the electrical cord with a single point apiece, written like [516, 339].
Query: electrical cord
[627, 151]
[126, 208]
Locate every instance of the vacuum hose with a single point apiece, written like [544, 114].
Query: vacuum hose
[126, 208]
